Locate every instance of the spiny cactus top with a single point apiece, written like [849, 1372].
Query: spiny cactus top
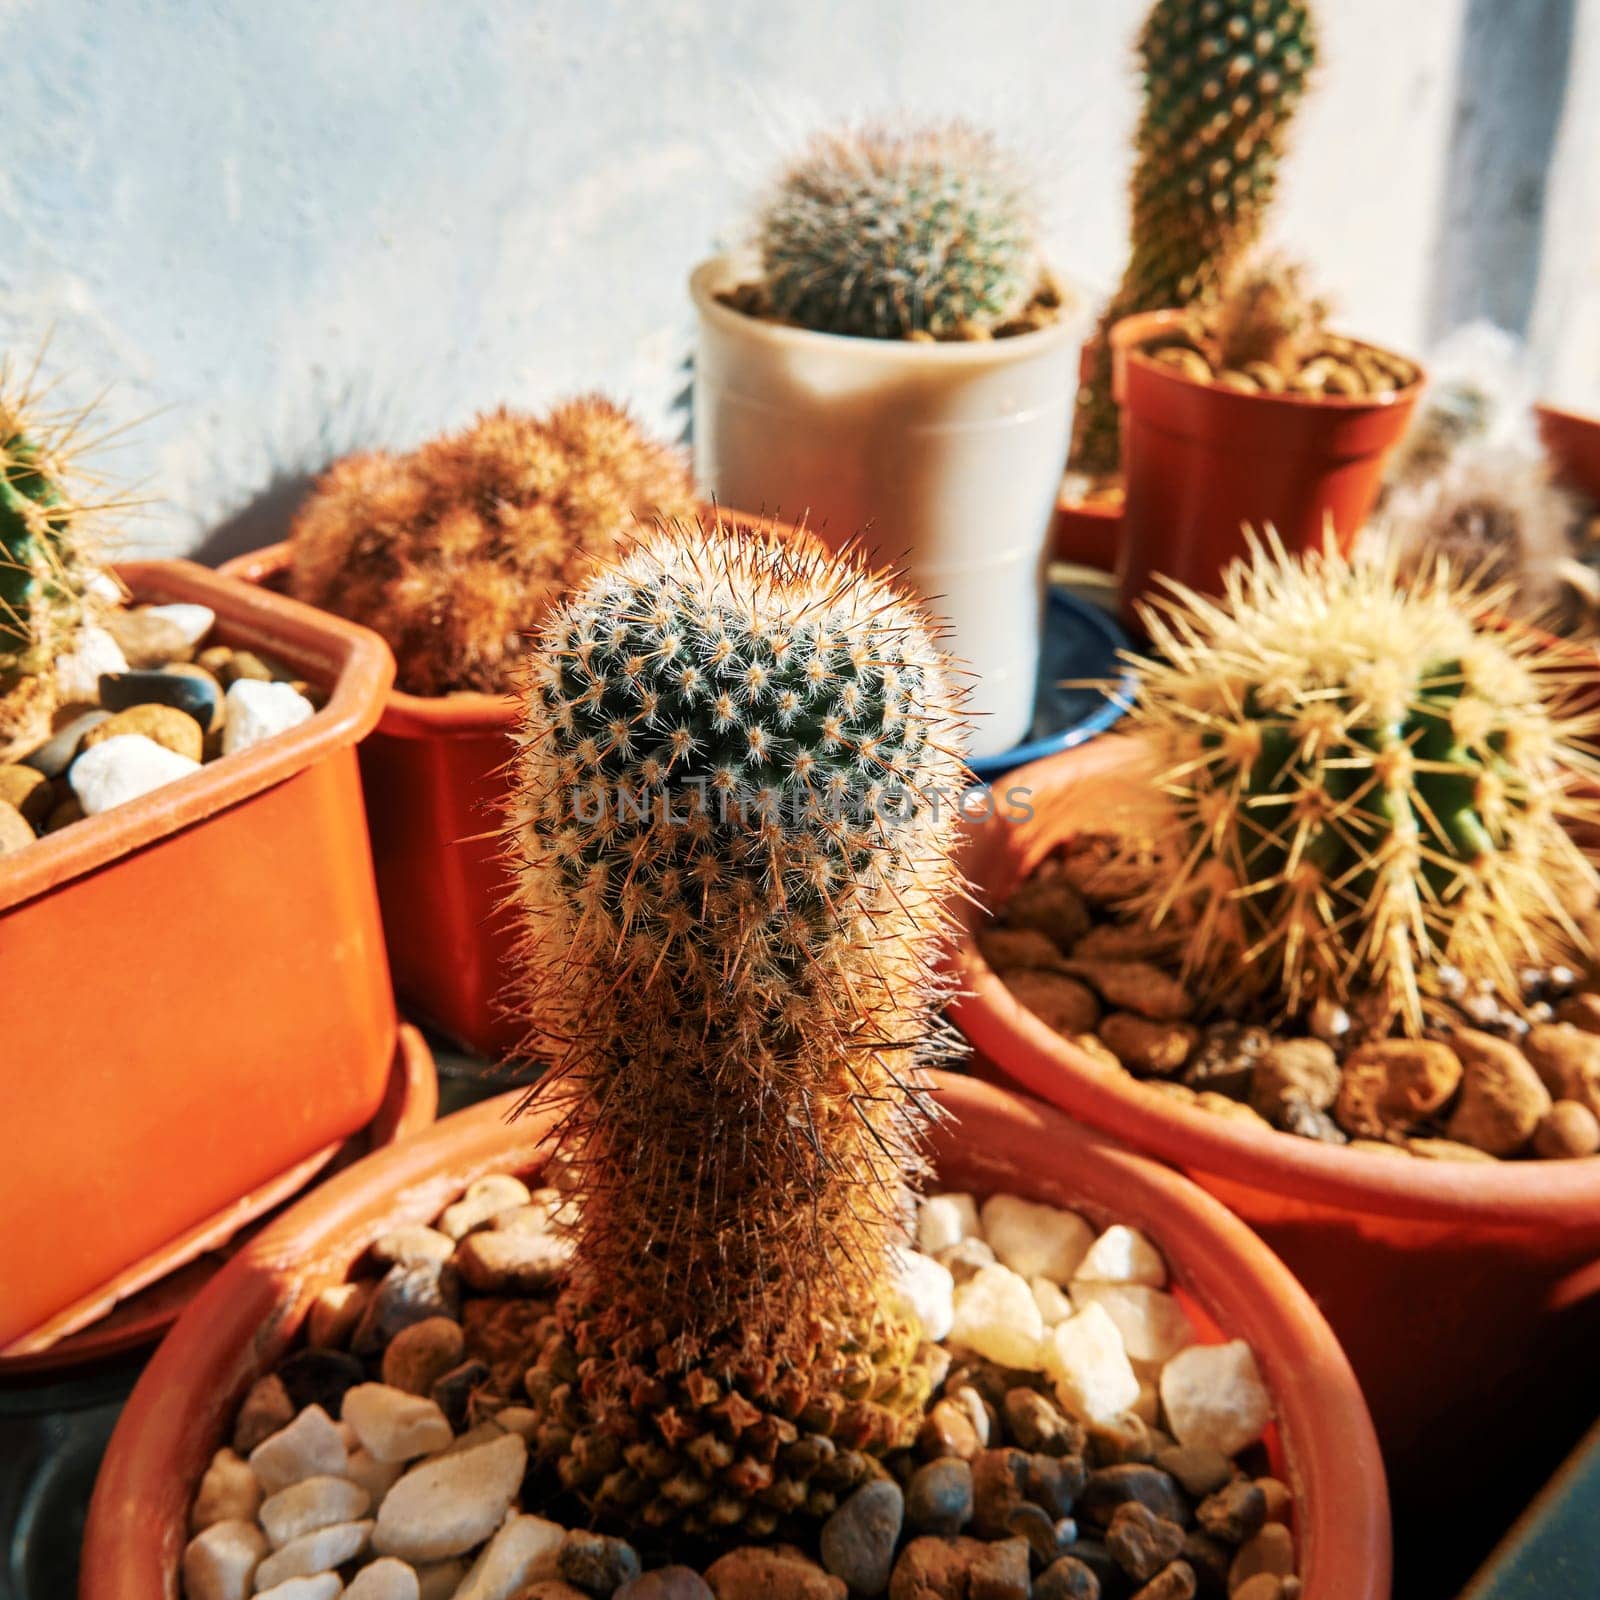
[732, 839]
[453, 552]
[882, 233]
[1222, 79]
[1264, 313]
[1366, 781]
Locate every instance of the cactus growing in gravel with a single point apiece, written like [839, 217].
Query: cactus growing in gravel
[455, 551]
[885, 233]
[1222, 79]
[732, 865]
[1263, 315]
[1365, 782]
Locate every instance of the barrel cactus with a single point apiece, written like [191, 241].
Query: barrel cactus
[454, 551]
[732, 860]
[893, 233]
[1366, 783]
[1222, 79]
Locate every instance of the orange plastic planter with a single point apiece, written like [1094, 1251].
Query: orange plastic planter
[194, 994]
[1467, 1296]
[248, 1318]
[1572, 441]
[1199, 462]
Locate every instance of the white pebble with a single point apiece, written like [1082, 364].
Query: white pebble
[485, 1199]
[977, 1412]
[308, 1447]
[1054, 1303]
[319, 1551]
[384, 1579]
[122, 768]
[1214, 1397]
[319, 1586]
[228, 1492]
[929, 1290]
[220, 1563]
[311, 1504]
[944, 1220]
[78, 670]
[525, 1550]
[192, 621]
[258, 711]
[376, 1477]
[1038, 1241]
[1123, 1255]
[446, 1507]
[393, 1425]
[1085, 1359]
[440, 1580]
[996, 1317]
[1153, 1324]
[518, 1419]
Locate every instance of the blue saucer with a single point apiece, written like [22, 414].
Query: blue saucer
[1080, 641]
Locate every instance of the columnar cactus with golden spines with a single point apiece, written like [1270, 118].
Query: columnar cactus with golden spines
[885, 233]
[1365, 782]
[1222, 79]
[732, 860]
[454, 552]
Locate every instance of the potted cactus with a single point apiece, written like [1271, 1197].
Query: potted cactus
[892, 360]
[452, 553]
[1337, 967]
[704, 1341]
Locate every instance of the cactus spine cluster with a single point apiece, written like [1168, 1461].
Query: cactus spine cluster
[1263, 316]
[455, 551]
[1222, 79]
[893, 233]
[1365, 782]
[731, 860]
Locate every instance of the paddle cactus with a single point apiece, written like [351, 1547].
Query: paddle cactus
[732, 863]
[1366, 782]
[890, 233]
[455, 551]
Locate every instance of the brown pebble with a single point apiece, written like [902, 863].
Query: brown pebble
[515, 1263]
[1096, 1049]
[1582, 1011]
[1567, 1059]
[1447, 1150]
[174, 730]
[1271, 1550]
[1220, 1105]
[1117, 941]
[1568, 1130]
[242, 664]
[1050, 906]
[1200, 1469]
[1267, 376]
[28, 790]
[1264, 1586]
[1294, 1070]
[1136, 986]
[1141, 1543]
[16, 832]
[1014, 949]
[1233, 1513]
[1176, 1582]
[64, 814]
[1391, 1085]
[1502, 1099]
[1155, 1048]
[146, 640]
[1280, 1502]
[1185, 362]
[1059, 1002]
[1232, 378]
[947, 1430]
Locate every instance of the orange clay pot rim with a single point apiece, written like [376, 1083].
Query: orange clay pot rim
[1586, 419]
[135, 1529]
[320, 647]
[1129, 334]
[1534, 1193]
[708, 277]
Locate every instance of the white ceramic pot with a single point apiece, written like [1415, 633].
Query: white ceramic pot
[945, 458]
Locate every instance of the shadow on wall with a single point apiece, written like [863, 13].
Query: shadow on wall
[1511, 85]
[263, 520]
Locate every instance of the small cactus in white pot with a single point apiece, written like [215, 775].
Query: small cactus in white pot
[891, 357]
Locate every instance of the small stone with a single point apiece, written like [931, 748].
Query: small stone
[320, 1378]
[1052, 907]
[1035, 1240]
[964, 1261]
[147, 639]
[1567, 1059]
[999, 1483]
[755, 1573]
[1066, 1578]
[316, 1586]
[229, 1492]
[55, 755]
[1271, 1550]
[1213, 1395]
[27, 791]
[1264, 1586]
[439, 1580]
[418, 1356]
[934, 1568]
[229, 666]
[163, 725]
[1581, 1010]
[1234, 1512]
[597, 1564]
[1137, 986]
[1085, 1359]
[1054, 1303]
[1153, 1324]
[335, 1313]
[452, 1392]
[498, 1262]
[1060, 1002]
[948, 1431]
[1035, 1424]
[321, 1550]
[497, 1192]
[384, 1579]
[192, 621]
[1101, 1055]
[1142, 1543]
[1154, 1048]
[308, 1447]
[1568, 1130]
[124, 768]
[1045, 1537]
[1175, 1582]
[404, 1295]
[1306, 1122]
[266, 1409]
[1200, 1469]
[525, 1550]
[376, 1477]
[446, 1507]
[858, 1540]
[999, 1571]
[666, 1583]
[1012, 949]
[1280, 1502]
[1055, 1482]
[311, 1504]
[220, 1562]
[928, 1288]
[1111, 1487]
[259, 711]
[1209, 1558]
[944, 1220]
[995, 1316]
[1123, 1255]
[79, 670]
[1502, 1099]
[938, 1498]
[393, 1425]
[1392, 1084]
[184, 689]
[412, 1246]
[1448, 1150]
[1294, 1072]
[16, 832]
[1219, 1105]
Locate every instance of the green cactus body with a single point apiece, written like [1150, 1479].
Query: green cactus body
[880, 234]
[1222, 79]
[40, 587]
[732, 863]
[1365, 783]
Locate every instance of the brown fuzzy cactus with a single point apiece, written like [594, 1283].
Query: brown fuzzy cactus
[455, 551]
[1264, 315]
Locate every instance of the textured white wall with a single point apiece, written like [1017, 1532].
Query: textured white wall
[281, 229]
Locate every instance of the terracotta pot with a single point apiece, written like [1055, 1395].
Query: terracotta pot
[195, 995]
[245, 1322]
[1464, 1293]
[1572, 441]
[1199, 462]
[942, 458]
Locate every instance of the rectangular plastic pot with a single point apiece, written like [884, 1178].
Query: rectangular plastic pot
[193, 988]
